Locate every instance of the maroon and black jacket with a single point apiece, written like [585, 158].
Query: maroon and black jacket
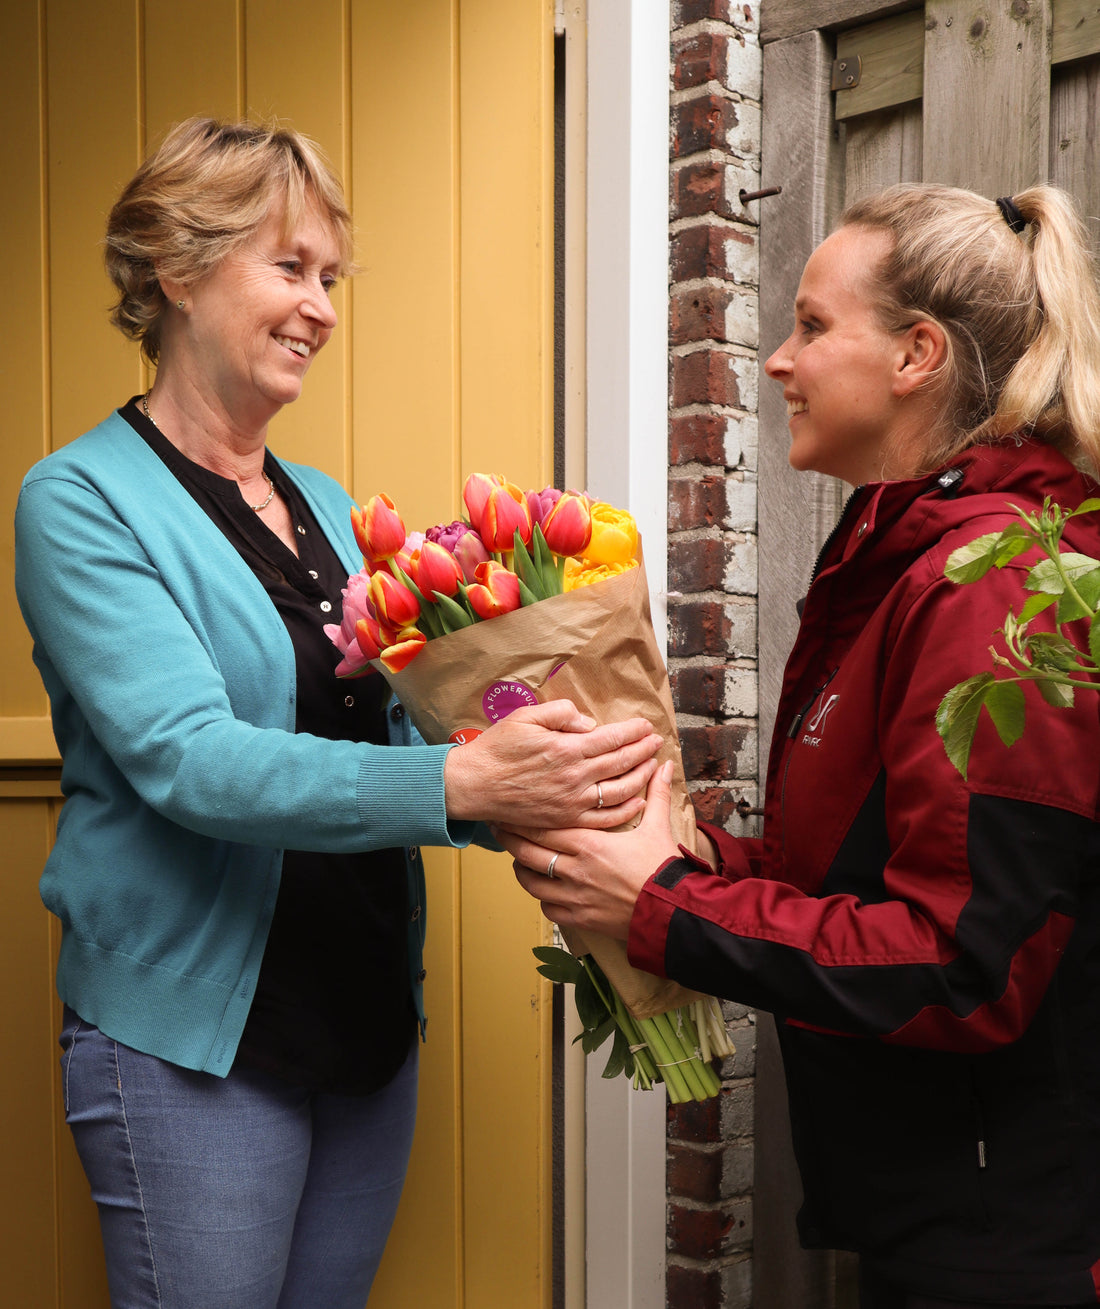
[930, 946]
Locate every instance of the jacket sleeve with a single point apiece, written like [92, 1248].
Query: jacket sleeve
[198, 725]
[949, 935]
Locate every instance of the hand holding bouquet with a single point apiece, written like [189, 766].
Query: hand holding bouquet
[562, 579]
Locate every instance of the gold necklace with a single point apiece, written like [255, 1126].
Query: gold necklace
[270, 484]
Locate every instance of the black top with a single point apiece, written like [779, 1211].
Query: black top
[337, 944]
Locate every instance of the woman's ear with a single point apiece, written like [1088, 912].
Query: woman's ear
[174, 291]
[921, 357]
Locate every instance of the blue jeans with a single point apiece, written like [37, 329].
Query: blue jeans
[235, 1193]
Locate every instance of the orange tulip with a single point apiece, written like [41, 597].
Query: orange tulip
[404, 650]
[504, 515]
[568, 526]
[395, 606]
[475, 492]
[495, 592]
[379, 531]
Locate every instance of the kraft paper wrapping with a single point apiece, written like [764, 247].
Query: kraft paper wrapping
[594, 646]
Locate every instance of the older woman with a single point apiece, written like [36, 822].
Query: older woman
[929, 944]
[236, 871]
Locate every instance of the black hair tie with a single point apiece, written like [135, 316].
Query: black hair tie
[1011, 214]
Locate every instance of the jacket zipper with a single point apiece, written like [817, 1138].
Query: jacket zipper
[833, 534]
[792, 732]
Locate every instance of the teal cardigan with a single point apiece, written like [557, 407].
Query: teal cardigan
[171, 682]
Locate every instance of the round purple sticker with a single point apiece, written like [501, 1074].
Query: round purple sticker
[502, 697]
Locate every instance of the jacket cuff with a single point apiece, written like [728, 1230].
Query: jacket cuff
[649, 923]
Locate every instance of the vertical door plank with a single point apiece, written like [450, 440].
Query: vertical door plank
[193, 62]
[94, 145]
[881, 149]
[977, 53]
[28, 1236]
[305, 83]
[1075, 137]
[404, 370]
[26, 439]
[506, 326]
[798, 154]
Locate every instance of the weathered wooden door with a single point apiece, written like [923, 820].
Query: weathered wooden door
[993, 95]
[439, 115]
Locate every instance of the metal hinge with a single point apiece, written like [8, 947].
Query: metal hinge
[846, 73]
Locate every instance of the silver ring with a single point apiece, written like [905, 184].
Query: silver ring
[599, 796]
[550, 865]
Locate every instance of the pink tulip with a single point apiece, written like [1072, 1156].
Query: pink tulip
[379, 531]
[495, 592]
[357, 648]
[541, 502]
[504, 515]
[470, 551]
[568, 526]
[448, 534]
[436, 570]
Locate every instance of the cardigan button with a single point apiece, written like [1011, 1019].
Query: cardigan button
[422, 974]
[413, 851]
[397, 712]
[415, 915]
[326, 607]
[349, 700]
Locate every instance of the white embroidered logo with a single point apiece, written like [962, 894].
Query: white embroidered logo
[815, 727]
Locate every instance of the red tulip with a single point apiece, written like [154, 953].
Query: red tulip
[475, 493]
[404, 650]
[568, 526]
[395, 606]
[436, 570]
[504, 515]
[495, 592]
[379, 531]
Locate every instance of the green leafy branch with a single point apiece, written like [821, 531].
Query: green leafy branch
[1067, 581]
[675, 1048]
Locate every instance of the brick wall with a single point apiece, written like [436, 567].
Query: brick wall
[714, 155]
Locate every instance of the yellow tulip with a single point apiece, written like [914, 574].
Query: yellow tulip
[582, 572]
[614, 537]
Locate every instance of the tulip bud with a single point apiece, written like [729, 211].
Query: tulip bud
[404, 650]
[568, 526]
[436, 570]
[470, 551]
[504, 515]
[495, 592]
[379, 531]
[395, 606]
[476, 492]
[541, 502]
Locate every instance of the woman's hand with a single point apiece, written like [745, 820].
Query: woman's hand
[551, 766]
[596, 876]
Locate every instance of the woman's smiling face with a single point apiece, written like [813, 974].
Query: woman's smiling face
[256, 322]
[839, 366]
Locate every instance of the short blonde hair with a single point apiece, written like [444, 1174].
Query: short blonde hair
[1020, 311]
[207, 189]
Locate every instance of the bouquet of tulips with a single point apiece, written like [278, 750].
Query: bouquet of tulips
[561, 577]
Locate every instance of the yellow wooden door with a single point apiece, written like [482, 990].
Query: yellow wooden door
[439, 117]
